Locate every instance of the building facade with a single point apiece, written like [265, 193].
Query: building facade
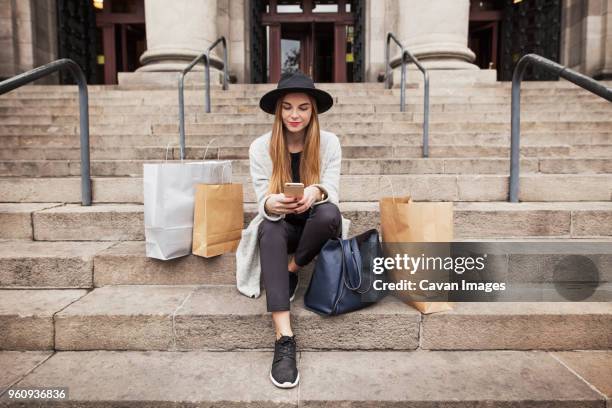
[332, 40]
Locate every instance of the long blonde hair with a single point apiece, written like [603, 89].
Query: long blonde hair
[281, 159]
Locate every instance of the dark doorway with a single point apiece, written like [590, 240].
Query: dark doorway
[316, 37]
[122, 36]
[484, 42]
[530, 27]
[76, 32]
[483, 38]
[502, 31]
[324, 52]
[296, 47]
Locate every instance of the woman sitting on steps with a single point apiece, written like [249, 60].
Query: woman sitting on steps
[294, 151]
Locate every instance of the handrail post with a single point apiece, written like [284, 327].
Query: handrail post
[391, 36]
[387, 63]
[207, 82]
[84, 133]
[426, 116]
[421, 68]
[405, 54]
[403, 86]
[207, 69]
[76, 71]
[577, 78]
[225, 72]
[205, 56]
[182, 115]
[515, 129]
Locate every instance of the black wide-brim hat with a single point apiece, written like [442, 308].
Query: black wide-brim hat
[295, 82]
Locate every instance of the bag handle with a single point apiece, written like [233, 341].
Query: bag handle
[351, 257]
[353, 267]
[393, 195]
[167, 149]
[394, 213]
[343, 272]
[207, 146]
[358, 261]
[229, 165]
[341, 289]
[370, 280]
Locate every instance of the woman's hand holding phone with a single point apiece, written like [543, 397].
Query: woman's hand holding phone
[311, 195]
[281, 204]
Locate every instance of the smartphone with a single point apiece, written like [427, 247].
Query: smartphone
[294, 189]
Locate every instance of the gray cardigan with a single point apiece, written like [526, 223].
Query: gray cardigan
[248, 269]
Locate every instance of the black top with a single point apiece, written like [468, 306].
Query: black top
[295, 174]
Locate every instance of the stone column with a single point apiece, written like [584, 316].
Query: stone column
[177, 32]
[381, 17]
[606, 72]
[436, 32]
[586, 37]
[28, 37]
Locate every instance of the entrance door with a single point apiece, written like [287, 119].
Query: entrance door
[121, 32]
[76, 24]
[312, 36]
[295, 47]
[309, 48]
[324, 54]
[530, 27]
[483, 37]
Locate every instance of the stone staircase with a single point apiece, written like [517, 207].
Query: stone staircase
[82, 307]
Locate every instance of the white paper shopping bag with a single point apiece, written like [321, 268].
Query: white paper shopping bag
[169, 190]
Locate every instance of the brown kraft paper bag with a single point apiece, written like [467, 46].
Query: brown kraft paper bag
[403, 220]
[218, 219]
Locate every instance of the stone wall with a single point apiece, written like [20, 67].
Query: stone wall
[7, 40]
[606, 34]
[28, 36]
[586, 36]
[231, 23]
[44, 31]
[381, 17]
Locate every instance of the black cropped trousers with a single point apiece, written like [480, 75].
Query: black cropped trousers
[279, 238]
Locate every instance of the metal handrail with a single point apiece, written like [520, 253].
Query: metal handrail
[577, 78]
[205, 56]
[47, 69]
[406, 54]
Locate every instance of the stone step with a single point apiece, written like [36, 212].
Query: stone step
[397, 127]
[472, 220]
[156, 317]
[71, 264]
[26, 317]
[422, 187]
[126, 264]
[234, 92]
[33, 264]
[164, 378]
[410, 83]
[437, 140]
[198, 100]
[192, 317]
[16, 219]
[196, 110]
[387, 150]
[330, 119]
[378, 127]
[120, 168]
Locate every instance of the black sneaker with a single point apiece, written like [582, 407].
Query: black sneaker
[293, 284]
[284, 373]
